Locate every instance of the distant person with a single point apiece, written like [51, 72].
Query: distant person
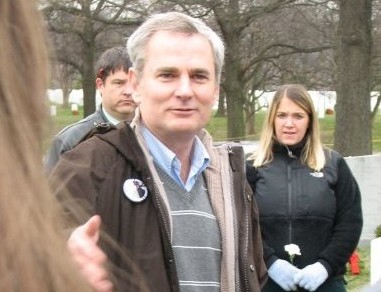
[181, 207]
[33, 253]
[306, 195]
[116, 105]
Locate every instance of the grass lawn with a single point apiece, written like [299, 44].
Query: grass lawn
[217, 128]
[56, 123]
[356, 282]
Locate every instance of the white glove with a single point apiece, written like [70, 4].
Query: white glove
[311, 277]
[283, 273]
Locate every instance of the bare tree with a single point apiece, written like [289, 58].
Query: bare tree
[376, 56]
[259, 35]
[82, 28]
[254, 34]
[291, 45]
[65, 75]
[353, 132]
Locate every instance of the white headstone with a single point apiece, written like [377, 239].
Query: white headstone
[375, 260]
[53, 110]
[74, 107]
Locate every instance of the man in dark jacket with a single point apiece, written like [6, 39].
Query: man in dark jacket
[117, 104]
[181, 208]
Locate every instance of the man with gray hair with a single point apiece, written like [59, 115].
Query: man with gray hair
[181, 207]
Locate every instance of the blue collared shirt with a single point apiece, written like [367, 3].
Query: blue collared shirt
[168, 161]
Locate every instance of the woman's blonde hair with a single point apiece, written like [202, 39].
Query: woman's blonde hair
[313, 153]
[33, 248]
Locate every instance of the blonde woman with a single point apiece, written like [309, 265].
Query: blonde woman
[306, 195]
[33, 254]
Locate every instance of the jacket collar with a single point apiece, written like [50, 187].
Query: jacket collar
[290, 150]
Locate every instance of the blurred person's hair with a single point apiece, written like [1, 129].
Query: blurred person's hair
[33, 254]
[313, 153]
[172, 22]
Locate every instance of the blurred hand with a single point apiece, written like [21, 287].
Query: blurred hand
[283, 273]
[311, 277]
[90, 259]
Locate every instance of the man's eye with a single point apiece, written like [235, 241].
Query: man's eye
[166, 75]
[200, 77]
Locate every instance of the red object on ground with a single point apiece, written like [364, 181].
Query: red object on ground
[354, 263]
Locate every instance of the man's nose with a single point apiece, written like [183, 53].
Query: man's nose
[127, 89]
[184, 88]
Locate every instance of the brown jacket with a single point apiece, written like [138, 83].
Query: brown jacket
[96, 170]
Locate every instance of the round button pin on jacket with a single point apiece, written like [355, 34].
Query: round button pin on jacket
[135, 190]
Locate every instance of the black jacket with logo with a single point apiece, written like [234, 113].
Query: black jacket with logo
[318, 211]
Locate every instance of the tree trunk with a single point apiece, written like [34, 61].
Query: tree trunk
[221, 110]
[250, 125]
[64, 77]
[353, 133]
[250, 118]
[88, 81]
[65, 95]
[234, 89]
[234, 102]
[88, 92]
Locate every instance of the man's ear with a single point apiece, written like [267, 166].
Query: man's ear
[133, 79]
[98, 83]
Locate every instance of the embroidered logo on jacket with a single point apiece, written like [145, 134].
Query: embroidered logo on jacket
[317, 174]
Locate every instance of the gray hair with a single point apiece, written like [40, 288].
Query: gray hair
[173, 22]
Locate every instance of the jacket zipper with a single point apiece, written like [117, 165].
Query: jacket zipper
[245, 248]
[289, 189]
[289, 203]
